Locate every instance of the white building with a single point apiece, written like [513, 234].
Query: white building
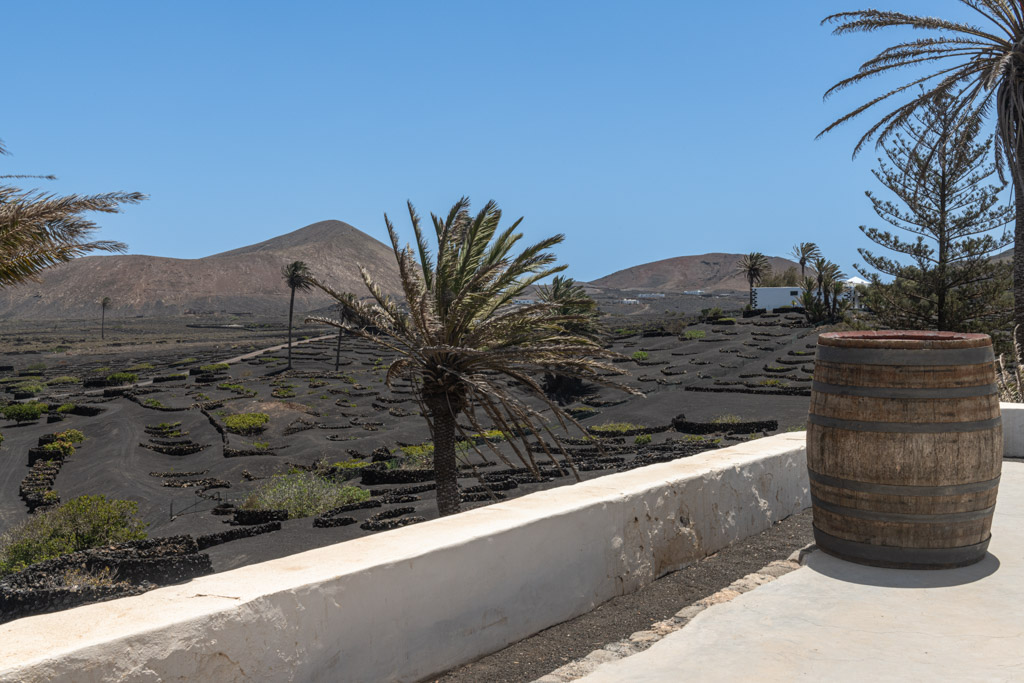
[630, 301]
[851, 290]
[776, 297]
[523, 302]
[653, 295]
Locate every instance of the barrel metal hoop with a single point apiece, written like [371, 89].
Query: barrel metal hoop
[903, 517]
[893, 490]
[904, 427]
[884, 555]
[921, 357]
[902, 392]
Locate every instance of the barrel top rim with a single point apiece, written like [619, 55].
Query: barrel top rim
[904, 339]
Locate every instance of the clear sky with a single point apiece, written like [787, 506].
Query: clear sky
[642, 130]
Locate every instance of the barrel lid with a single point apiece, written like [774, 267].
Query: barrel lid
[904, 339]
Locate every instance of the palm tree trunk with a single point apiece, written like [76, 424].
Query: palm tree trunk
[1018, 258]
[337, 353]
[446, 468]
[291, 307]
[103, 321]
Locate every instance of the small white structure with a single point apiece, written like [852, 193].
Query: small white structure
[651, 295]
[632, 302]
[695, 292]
[776, 297]
[851, 290]
[523, 302]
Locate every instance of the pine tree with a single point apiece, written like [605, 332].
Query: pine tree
[941, 176]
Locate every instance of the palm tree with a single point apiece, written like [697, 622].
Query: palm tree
[803, 253]
[985, 73]
[465, 346]
[39, 230]
[296, 276]
[829, 276]
[103, 313]
[753, 267]
[572, 301]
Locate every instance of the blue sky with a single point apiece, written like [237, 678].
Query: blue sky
[642, 130]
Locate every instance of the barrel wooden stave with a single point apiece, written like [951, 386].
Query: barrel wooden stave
[904, 458]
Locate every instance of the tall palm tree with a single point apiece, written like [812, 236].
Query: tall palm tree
[803, 253]
[462, 342]
[103, 314]
[296, 276]
[753, 267]
[572, 301]
[39, 230]
[828, 276]
[984, 74]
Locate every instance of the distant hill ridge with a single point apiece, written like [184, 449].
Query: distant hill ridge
[243, 280]
[707, 272]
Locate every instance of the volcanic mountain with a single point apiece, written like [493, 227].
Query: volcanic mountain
[241, 281]
[707, 272]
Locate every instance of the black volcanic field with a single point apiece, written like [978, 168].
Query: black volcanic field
[190, 478]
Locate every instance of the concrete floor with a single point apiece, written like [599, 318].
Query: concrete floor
[837, 621]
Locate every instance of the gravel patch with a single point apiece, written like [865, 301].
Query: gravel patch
[621, 617]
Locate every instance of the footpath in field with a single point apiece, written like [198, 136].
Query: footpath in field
[837, 621]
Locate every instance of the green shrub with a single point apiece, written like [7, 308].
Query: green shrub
[140, 367]
[183, 361]
[71, 436]
[236, 389]
[773, 383]
[1, 438]
[29, 387]
[153, 403]
[66, 408]
[726, 420]
[36, 367]
[613, 428]
[63, 379]
[100, 371]
[726, 320]
[123, 378]
[214, 367]
[640, 355]
[81, 523]
[246, 423]
[283, 392]
[642, 439]
[695, 334]
[24, 412]
[302, 494]
[62, 448]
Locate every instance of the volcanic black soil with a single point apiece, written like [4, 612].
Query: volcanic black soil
[709, 385]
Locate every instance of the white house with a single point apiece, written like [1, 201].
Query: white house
[851, 290]
[630, 301]
[523, 302]
[776, 297]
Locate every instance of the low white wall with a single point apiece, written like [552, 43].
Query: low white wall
[408, 603]
[1013, 429]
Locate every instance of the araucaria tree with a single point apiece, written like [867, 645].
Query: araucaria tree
[981, 67]
[941, 176]
[104, 305]
[296, 276]
[753, 267]
[468, 350]
[39, 230]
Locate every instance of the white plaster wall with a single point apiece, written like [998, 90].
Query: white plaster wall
[405, 604]
[1013, 429]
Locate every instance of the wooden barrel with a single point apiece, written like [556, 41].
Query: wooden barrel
[904, 447]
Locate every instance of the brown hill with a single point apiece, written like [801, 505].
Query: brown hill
[707, 272]
[245, 280]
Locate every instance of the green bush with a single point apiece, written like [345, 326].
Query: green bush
[214, 367]
[236, 389]
[640, 355]
[63, 379]
[81, 523]
[726, 320]
[29, 387]
[302, 494]
[246, 423]
[140, 367]
[71, 436]
[642, 439]
[123, 378]
[66, 408]
[726, 420]
[62, 448]
[773, 383]
[24, 412]
[36, 367]
[153, 403]
[183, 361]
[695, 334]
[613, 428]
